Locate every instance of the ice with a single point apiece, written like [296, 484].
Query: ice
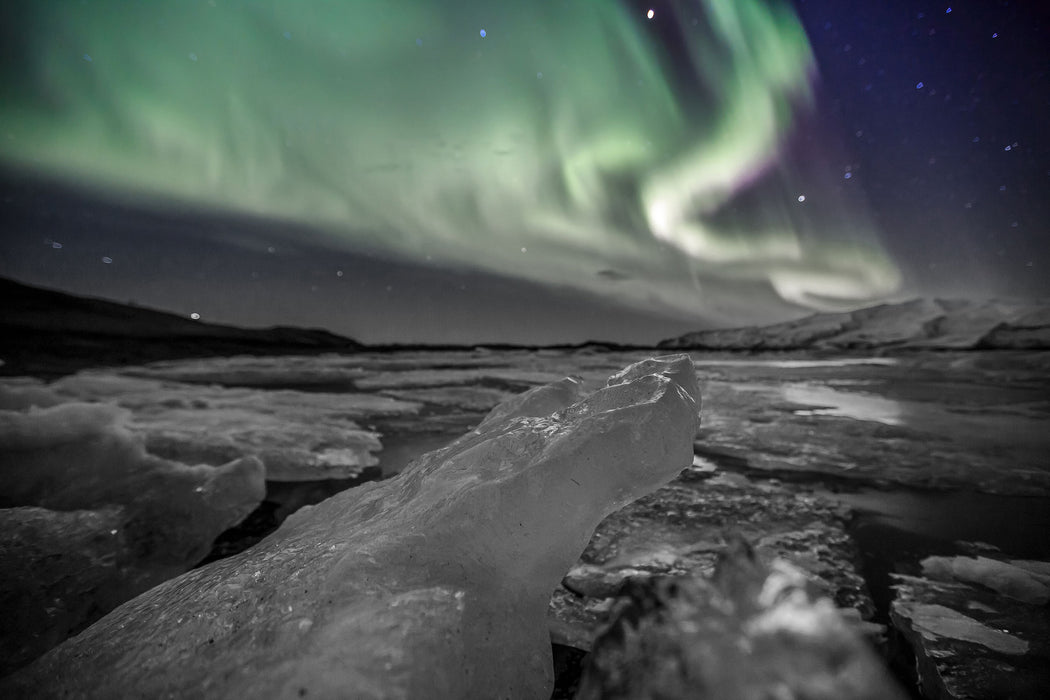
[469, 398]
[299, 436]
[362, 371]
[91, 519]
[60, 570]
[750, 630]
[433, 584]
[849, 404]
[442, 377]
[290, 450]
[801, 364]
[155, 395]
[976, 625]
[1006, 578]
[540, 401]
[936, 621]
[682, 529]
[19, 393]
[248, 371]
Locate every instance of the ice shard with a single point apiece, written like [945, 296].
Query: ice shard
[432, 584]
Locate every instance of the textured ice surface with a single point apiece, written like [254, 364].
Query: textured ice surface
[963, 420]
[934, 621]
[442, 377]
[849, 404]
[297, 435]
[360, 370]
[1008, 578]
[88, 519]
[749, 631]
[977, 627]
[246, 371]
[471, 398]
[433, 584]
[682, 529]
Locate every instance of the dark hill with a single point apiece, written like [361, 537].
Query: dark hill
[47, 333]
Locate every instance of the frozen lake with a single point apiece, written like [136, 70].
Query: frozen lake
[891, 459]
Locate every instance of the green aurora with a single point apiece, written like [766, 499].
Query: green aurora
[569, 145]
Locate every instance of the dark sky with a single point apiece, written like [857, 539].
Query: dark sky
[946, 107]
[511, 186]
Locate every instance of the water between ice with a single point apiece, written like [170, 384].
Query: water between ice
[844, 404]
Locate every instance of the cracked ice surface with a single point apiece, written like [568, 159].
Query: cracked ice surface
[89, 519]
[978, 625]
[297, 435]
[432, 584]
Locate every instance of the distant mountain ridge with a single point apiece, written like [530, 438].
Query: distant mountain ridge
[45, 331]
[935, 324]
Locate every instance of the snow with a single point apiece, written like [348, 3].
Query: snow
[919, 323]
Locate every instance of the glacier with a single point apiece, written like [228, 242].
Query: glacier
[432, 584]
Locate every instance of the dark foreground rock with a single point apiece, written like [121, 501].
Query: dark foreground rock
[749, 631]
[433, 584]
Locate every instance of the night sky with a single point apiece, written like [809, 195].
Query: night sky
[524, 171]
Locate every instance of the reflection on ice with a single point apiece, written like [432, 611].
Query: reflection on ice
[800, 364]
[845, 404]
[702, 464]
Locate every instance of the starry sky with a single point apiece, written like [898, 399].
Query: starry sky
[524, 171]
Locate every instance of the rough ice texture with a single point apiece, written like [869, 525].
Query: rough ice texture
[934, 621]
[433, 584]
[749, 631]
[298, 436]
[1004, 577]
[58, 572]
[430, 377]
[969, 639]
[319, 371]
[88, 519]
[470, 398]
[248, 371]
[683, 529]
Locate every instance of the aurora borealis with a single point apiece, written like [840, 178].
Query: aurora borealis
[681, 165]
